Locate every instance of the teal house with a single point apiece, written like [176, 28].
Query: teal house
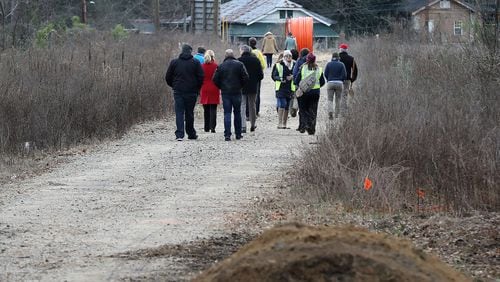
[242, 19]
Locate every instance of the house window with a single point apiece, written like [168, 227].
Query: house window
[430, 26]
[458, 28]
[286, 14]
[444, 4]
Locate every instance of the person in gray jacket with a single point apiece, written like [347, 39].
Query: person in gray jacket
[335, 74]
[290, 42]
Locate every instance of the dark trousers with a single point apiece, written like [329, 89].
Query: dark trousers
[184, 112]
[210, 116]
[269, 58]
[232, 103]
[257, 101]
[301, 113]
[308, 110]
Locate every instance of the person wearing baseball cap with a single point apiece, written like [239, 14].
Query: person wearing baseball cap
[351, 68]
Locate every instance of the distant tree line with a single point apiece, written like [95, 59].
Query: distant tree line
[356, 16]
[20, 19]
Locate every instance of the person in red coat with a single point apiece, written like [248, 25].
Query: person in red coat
[210, 94]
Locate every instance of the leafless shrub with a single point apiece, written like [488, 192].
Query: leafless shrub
[424, 118]
[86, 86]
[59, 96]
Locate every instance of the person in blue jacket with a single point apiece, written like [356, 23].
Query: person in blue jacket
[200, 56]
[336, 74]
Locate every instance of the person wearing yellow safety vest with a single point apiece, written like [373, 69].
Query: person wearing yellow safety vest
[308, 102]
[282, 74]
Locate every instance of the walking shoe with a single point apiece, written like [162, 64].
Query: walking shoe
[178, 139]
[243, 130]
[212, 130]
[227, 138]
[252, 129]
[239, 137]
[194, 137]
[302, 130]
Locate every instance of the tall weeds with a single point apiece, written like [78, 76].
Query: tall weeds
[424, 118]
[86, 85]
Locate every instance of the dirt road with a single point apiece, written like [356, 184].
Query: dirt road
[142, 191]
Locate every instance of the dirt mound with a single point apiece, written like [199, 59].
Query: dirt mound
[301, 253]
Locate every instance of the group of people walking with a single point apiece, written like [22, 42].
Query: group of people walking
[298, 78]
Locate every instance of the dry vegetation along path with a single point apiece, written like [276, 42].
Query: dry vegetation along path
[142, 191]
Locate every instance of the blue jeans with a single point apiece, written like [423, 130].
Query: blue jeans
[232, 102]
[283, 103]
[184, 111]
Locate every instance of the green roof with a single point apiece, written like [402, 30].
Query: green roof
[259, 29]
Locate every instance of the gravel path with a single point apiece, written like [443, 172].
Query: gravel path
[142, 191]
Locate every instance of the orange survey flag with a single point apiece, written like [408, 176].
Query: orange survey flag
[420, 193]
[368, 184]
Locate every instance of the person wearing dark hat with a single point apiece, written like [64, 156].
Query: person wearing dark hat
[351, 68]
[185, 76]
[255, 73]
[335, 74]
[200, 56]
[308, 104]
[231, 76]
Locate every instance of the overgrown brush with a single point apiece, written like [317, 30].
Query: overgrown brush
[86, 86]
[425, 118]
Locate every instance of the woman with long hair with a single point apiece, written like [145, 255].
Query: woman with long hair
[210, 94]
[308, 102]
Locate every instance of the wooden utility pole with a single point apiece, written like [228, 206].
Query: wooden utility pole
[156, 14]
[84, 11]
[193, 16]
[497, 27]
[215, 8]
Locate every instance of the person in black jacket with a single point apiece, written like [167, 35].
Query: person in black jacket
[231, 76]
[351, 68]
[255, 73]
[185, 76]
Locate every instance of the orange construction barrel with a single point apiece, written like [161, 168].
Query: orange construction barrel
[302, 29]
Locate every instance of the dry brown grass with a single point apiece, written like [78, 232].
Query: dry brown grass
[87, 87]
[425, 117]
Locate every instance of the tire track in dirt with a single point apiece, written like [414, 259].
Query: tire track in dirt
[142, 191]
